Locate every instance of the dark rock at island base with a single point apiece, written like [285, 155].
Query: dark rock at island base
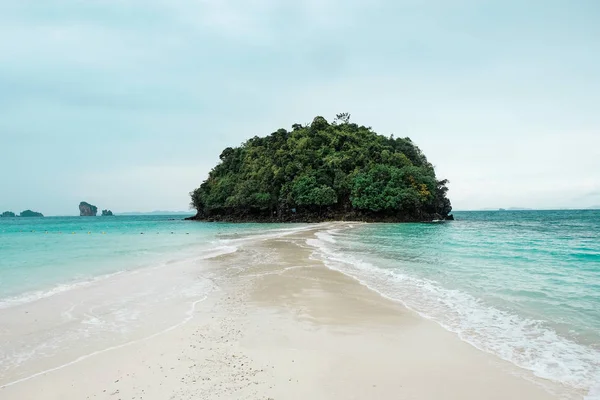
[29, 214]
[8, 214]
[87, 209]
[450, 217]
[107, 213]
[325, 216]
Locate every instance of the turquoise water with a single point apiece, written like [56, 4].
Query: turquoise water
[42, 256]
[74, 286]
[522, 285]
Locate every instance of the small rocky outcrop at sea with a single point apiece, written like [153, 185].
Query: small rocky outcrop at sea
[29, 213]
[107, 213]
[8, 214]
[87, 209]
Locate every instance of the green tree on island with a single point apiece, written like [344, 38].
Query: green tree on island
[323, 171]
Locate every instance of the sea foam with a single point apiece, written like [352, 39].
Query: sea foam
[527, 343]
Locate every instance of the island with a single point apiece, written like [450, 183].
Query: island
[323, 172]
[29, 214]
[107, 213]
[87, 210]
[8, 214]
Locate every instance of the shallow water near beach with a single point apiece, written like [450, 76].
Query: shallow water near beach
[71, 287]
[524, 286]
[44, 256]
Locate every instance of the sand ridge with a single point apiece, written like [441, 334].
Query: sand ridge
[283, 326]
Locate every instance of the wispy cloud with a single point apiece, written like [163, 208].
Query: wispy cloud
[501, 95]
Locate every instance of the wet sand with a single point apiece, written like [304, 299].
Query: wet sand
[283, 326]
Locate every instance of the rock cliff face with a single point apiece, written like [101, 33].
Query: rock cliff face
[107, 213]
[87, 209]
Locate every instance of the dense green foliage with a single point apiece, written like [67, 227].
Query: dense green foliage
[323, 171]
[29, 213]
[8, 214]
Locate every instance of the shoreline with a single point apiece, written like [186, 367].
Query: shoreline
[337, 217]
[283, 325]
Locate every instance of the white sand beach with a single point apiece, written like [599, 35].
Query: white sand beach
[280, 325]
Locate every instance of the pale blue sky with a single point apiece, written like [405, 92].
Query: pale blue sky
[127, 104]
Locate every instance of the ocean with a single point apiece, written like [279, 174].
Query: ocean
[71, 287]
[43, 256]
[523, 285]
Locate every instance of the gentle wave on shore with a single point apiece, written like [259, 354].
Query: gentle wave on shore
[64, 297]
[522, 286]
